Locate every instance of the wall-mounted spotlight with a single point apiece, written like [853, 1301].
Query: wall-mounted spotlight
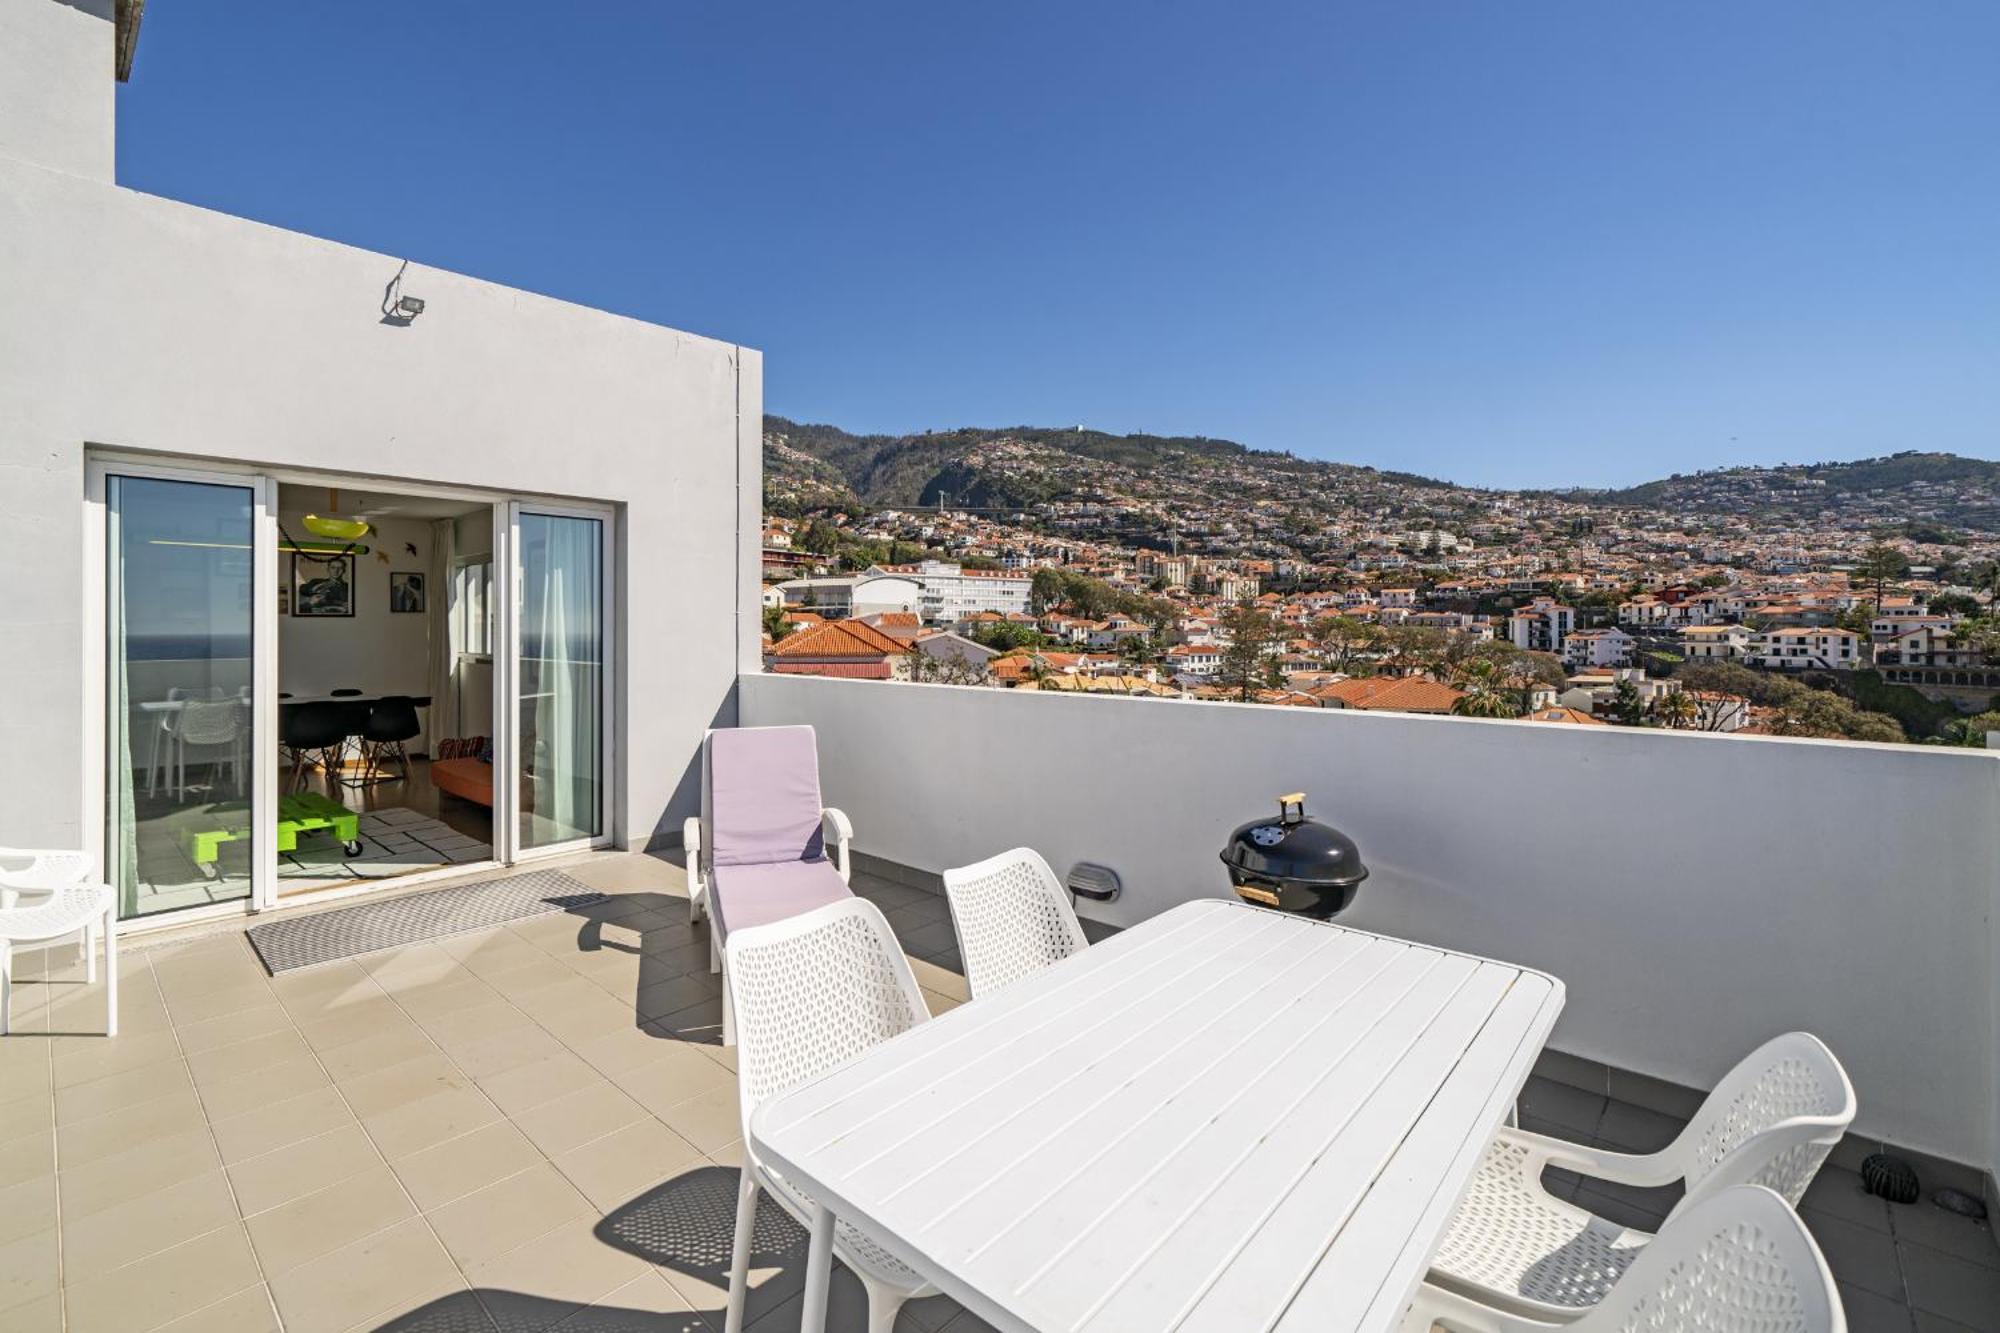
[398, 309]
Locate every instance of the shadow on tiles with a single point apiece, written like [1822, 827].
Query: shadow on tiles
[683, 1226]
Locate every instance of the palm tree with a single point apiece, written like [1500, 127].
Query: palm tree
[1677, 710]
[1485, 693]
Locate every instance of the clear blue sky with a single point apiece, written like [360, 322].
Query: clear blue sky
[1507, 243]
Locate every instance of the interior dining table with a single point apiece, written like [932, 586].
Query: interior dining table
[1224, 1117]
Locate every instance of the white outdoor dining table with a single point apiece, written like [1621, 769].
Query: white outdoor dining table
[1224, 1119]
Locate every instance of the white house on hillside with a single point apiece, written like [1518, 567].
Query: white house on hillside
[1598, 648]
[1805, 647]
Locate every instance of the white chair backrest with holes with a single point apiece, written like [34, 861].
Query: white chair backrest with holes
[813, 990]
[1012, 917]
[1771, 1121]
[39, 871]
[1739, 1261]
[210, 721]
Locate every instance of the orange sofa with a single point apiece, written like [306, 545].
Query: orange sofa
[458, 769]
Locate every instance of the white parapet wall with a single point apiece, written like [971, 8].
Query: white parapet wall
[1697, 894]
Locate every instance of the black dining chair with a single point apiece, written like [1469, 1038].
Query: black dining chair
[392, 720]
[312, 733]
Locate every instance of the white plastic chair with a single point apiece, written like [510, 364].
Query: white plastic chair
[1739, 1261]
[1771, 1122]
[71, 909]
[38, 870]
[212, 724]
[1012, 918]
[810, 992]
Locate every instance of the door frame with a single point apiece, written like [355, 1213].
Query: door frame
[96, 740]
[507, 668]
[263, 482]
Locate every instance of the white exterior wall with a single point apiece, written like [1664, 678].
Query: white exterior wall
[57, 86]
[1877, 934]
[132, 322]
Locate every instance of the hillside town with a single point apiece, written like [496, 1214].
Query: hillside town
[1269, 580]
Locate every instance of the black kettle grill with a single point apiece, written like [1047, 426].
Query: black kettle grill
[1293, 863]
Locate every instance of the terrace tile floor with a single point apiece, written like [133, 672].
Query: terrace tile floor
[532, 1128]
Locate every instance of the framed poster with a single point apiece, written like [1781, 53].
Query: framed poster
[406, 592]
[322, 585]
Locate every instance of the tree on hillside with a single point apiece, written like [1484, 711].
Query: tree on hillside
[1759, 687]
[1345, 643]
[1521, 672]
[1250, 655]
[1626, 708]
[1981, 634]
[1001, 636]
[775, 623]
[1857, 618]
[1881, 564]
[1971, 730]
[1045, 590]
[1824, 714]
[821, 538]
[944, 668]
[1410, 648]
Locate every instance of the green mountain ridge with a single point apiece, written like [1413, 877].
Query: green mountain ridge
[1851, 478]
[808, 465]
[960, 463]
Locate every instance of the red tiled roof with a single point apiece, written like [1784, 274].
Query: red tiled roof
[844, 670]
[1402, 694]
[839, 638]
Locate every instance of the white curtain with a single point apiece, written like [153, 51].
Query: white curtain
[442, 718]
[561, 675]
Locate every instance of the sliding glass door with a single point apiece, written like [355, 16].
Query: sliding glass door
[188, 799]
[183, 758]
[560, 651]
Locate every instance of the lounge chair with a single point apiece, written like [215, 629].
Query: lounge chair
[759, 851]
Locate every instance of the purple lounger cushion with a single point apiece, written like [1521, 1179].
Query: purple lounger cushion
[744, 896]
[763, 792]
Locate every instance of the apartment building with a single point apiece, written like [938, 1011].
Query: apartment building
[1542, 625]
[1598, 648]
[1892, 620]
[1236, 587]
[1805, 648]
[948, 592]
[1715, 643]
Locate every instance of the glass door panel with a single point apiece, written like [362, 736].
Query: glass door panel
[181, 577]
[559, 680]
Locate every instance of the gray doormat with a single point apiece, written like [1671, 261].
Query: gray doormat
[325, 937]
